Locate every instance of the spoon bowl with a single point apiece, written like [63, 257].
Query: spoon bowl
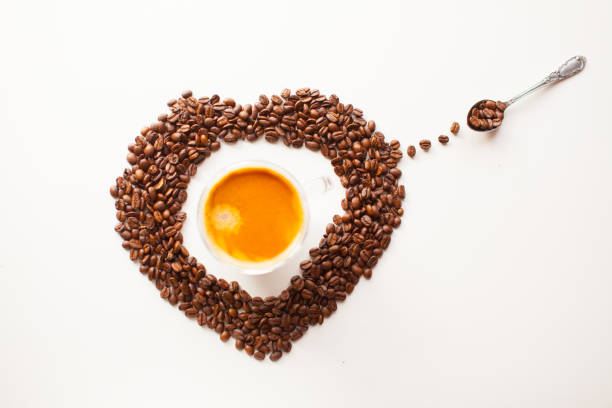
[486, 115]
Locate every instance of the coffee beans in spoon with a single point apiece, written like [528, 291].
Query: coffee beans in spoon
[150, 193]
[486, 114]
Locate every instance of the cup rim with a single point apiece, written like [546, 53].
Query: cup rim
[253, 268]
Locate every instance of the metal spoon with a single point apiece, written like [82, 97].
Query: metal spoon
[487, 114]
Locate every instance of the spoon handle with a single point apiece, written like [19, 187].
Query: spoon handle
[570, 68]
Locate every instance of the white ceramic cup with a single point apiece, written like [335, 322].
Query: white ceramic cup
[253, 268]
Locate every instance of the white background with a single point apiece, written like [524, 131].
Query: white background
[495, 291]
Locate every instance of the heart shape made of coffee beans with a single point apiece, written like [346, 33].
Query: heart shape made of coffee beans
[164, 157]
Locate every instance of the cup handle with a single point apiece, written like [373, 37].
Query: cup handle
[319, 187]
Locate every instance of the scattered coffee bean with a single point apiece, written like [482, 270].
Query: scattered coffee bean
[425, 144]
[454, 128]
[443, 139]
[411, 151]
[150, 193]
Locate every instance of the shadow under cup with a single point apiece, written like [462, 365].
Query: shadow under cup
[250, 267]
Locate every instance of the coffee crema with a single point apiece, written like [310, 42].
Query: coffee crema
[253, 214]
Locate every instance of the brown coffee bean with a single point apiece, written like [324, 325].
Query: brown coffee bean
[276, 355]
[149, 150]
[411, 151]
[489, 104]
[132, 158]
[474, 122]
[159, 127]
[454, 128]
[259, 355]
[443, 139]
[139, 174]
[314, 146]
[165, 293]
[425, 144]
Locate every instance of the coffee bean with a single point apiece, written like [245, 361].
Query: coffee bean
[259, 355]
[411, 151]
[425, 144]
[149, 150]
[132, 158]
[474, 122]
[159, 127]
[150, 194]
[314, 146]
[454, 128]
[443, 139]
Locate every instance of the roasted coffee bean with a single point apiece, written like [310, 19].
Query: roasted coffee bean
[132, 158]
[151, 192]
[443, 139]
[454, 128]
[411, 151]
[259, 355]
[425, 144]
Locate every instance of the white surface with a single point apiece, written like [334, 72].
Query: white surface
[495, 290]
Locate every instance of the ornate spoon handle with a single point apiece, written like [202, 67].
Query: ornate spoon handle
[570, 68]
